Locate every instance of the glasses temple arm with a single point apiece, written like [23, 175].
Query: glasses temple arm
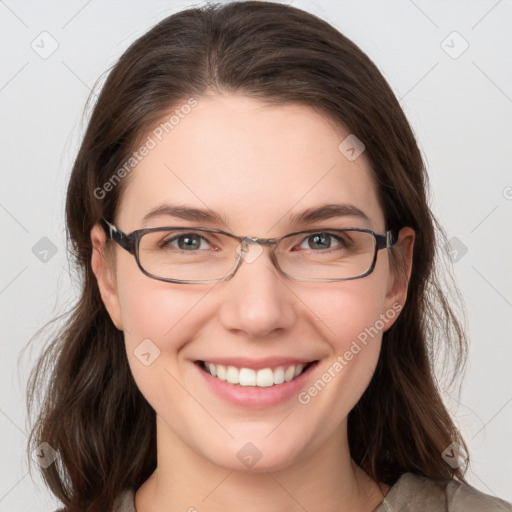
[118, 236]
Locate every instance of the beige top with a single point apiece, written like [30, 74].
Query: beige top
[411, 493]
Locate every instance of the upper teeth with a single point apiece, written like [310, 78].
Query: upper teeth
[248, 377]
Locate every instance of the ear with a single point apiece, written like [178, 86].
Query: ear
[399, 277]
[103, 268]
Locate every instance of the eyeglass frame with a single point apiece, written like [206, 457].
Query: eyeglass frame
[131, 242]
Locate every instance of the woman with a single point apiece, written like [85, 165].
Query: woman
[248, 211]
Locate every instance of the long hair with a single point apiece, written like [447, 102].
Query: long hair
[89, 407]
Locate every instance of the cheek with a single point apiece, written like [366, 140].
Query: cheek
[146, 316]
[152, 309]
[355, 317]
[150, 319]
[159, 319]
[351, 309]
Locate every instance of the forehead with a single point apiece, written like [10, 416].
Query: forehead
[253, 163]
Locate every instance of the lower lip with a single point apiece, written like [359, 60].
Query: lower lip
[255, 397]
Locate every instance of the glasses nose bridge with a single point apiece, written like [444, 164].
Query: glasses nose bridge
[243, 248]
[246, 240]
[260, 241]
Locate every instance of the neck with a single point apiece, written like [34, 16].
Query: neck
[327, 479]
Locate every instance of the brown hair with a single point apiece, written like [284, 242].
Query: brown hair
[91, 410]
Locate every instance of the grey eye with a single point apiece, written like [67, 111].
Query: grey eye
[188, 242]
[322, 241]
[185, 242]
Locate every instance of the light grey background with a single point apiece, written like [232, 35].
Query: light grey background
[460, 106]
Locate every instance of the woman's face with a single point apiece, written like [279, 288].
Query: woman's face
[256, 166]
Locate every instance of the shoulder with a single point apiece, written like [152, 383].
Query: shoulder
[465, 498]
[415, 492]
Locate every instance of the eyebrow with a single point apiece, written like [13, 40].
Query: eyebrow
[308, 216]
[185, 213]
[326, 212]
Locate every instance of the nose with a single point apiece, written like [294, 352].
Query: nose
[257, 302]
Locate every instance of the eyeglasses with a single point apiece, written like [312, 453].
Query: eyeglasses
[202, 255]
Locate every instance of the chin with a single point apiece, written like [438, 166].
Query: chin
[248, 454]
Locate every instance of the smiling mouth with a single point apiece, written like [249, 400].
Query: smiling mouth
[264, 377]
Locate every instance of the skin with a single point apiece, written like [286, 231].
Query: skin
[254, 164]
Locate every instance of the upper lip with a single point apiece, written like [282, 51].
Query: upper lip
[257, 364]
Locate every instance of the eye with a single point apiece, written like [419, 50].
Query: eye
[186, 242]
[323, 241]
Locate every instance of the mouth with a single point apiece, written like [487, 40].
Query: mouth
[261, 378]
